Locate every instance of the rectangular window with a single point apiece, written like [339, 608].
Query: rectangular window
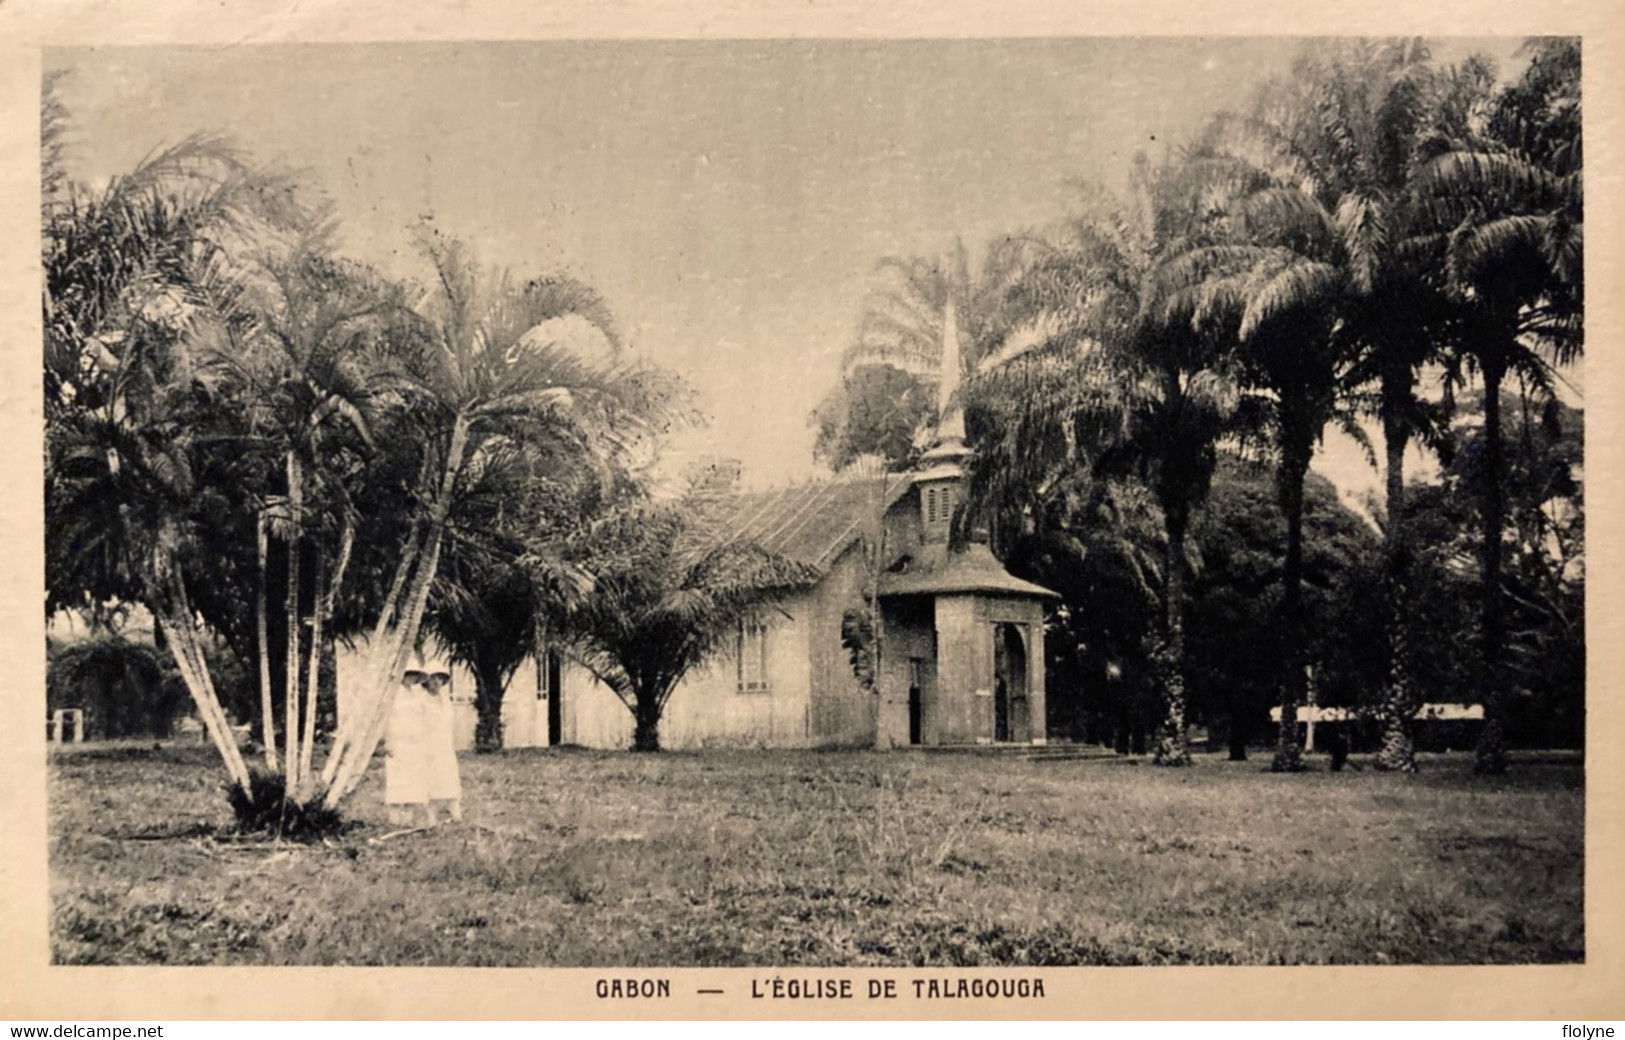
[751, 655]
[543, 688]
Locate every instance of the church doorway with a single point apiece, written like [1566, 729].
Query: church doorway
[916, 700]
[1012, 718]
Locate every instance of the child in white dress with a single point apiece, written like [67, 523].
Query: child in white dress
[406, 776]
[420, 767]
[444, 779]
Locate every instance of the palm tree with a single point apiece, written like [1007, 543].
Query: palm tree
[665, 598]
[1345, 144]
[298, 359]
[505, 563]
[1296, 369]
[886, 400]
[1507, 206]
[1375, 105]
[133, 272]
[484, 376]
[1099, 371]
[1328, 280]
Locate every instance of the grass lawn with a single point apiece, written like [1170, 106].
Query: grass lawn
[571, 857]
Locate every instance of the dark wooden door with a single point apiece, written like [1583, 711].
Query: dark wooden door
[916, 699]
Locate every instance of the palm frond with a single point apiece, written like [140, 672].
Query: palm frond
[1295, 287]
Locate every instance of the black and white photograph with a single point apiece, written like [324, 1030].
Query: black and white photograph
[954, 505]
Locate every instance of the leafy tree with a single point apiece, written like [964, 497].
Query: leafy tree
[1235, 634]
[1543, 581]
[119, 684]
[878, 410]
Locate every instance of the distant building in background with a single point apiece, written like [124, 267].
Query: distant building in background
[1437, 727]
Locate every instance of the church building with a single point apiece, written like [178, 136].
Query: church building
[956, 658]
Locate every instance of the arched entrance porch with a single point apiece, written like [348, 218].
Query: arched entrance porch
[1012, 700]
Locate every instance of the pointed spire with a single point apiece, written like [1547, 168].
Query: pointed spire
[948, 445]
[950, 415]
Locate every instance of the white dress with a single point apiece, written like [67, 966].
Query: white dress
[406, 772]
[443, 779]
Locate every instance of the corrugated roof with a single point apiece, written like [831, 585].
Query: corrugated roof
[934, 569]
[810, 523]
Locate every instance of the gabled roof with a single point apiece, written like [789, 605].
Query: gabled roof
[934, 569]
[811, 523]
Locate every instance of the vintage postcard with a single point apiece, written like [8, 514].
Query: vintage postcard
[868, 513]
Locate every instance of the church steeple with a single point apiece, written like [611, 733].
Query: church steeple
[941, 476]
[948, 445]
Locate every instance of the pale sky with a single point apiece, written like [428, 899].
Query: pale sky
[730, 199]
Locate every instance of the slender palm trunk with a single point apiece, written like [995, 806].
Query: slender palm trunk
[394, 640]
[262, 612]
[349, 729]
[1492, 752]
[320, 645]
[174, 618]
[313, 668]
[1398, 700]
[290, 734]
[1295, 465]
[1173, 748]
[386, 666]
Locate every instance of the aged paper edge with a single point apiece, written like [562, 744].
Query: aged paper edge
[30, 988]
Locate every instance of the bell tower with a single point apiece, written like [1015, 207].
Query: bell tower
[977, 663]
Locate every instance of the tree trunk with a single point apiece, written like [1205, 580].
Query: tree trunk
[1237, 741]
[313, 676]
[386, 666]
[1492, 753]
[350, 731]
[488, 691]
[262, 631]
[290, 732]
[1294, 467]
[388, 656]
[646, 728]
[173, 619]
[327, 693]
[320, 646]
[1173, 748]
[1398, 700]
